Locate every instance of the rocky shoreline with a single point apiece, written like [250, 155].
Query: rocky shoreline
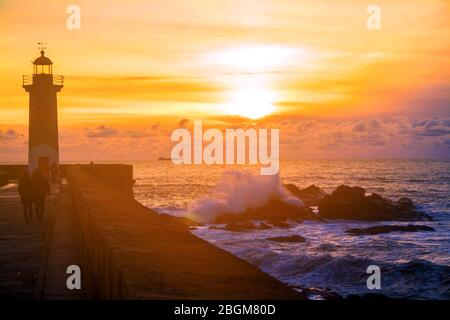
[344, 203]
[387, 229]
[352, 203]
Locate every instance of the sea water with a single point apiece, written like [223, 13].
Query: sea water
[413, 265]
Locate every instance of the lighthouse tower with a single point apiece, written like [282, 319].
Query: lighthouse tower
[42, 87]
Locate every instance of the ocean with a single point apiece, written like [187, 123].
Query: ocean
[414, 265]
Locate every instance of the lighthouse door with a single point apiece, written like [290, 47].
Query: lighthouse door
[44, 165]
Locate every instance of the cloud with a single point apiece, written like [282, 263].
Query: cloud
[10, 134]
[102, 131]
[305, 125]
[13, 145]
[435, 127]
[137, 133]
[367, 125]
[398, 137]
[183, 122]
[388, 137]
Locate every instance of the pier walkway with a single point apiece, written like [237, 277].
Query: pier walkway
[21, 246]
[124, 250]
[34, 256]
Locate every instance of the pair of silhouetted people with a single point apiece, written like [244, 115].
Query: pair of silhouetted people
[33, 191]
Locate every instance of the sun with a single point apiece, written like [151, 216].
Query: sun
[249, 76]
[251, 102]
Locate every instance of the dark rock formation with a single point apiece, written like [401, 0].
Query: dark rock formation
[264, 226]
[325, 294]
[275, 210]
[387, 229]
[351, 203]
[242, 226]
[248, 226]
[318, 293]
[239, 227]
[405, 203]
[287, 239]
[310, 195]
[279, 224]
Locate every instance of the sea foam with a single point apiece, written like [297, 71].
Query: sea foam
[238, 191]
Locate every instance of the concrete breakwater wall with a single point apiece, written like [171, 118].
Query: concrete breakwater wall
[10, 172]
[119, 175]
[131, 252]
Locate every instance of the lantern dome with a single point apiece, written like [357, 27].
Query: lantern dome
[42, 60]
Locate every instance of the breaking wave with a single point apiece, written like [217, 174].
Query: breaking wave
[238, 191]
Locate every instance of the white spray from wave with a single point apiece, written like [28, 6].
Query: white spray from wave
[239, 191]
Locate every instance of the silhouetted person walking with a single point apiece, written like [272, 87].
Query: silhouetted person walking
[26, 195]
[40, 189]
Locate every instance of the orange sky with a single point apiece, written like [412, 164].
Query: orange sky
[138, 65]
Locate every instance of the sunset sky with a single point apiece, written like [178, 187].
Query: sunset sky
[139, 69]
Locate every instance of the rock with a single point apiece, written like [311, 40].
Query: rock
[351, 203]
[279, 224]
[287, 239]
[275, 210]
[347, 192]
[387, 229]
[405, 203]
[242, 226]
[235, 227]
[318, 293]
[239, 227]
[292, 188]
[264, 226]
[310, 195]
[323, 294]
[375, 196]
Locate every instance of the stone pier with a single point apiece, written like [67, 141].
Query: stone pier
[124, 250]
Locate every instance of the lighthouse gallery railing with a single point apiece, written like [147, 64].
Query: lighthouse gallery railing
[28, 79]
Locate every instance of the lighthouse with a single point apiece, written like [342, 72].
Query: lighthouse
[42, 86]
